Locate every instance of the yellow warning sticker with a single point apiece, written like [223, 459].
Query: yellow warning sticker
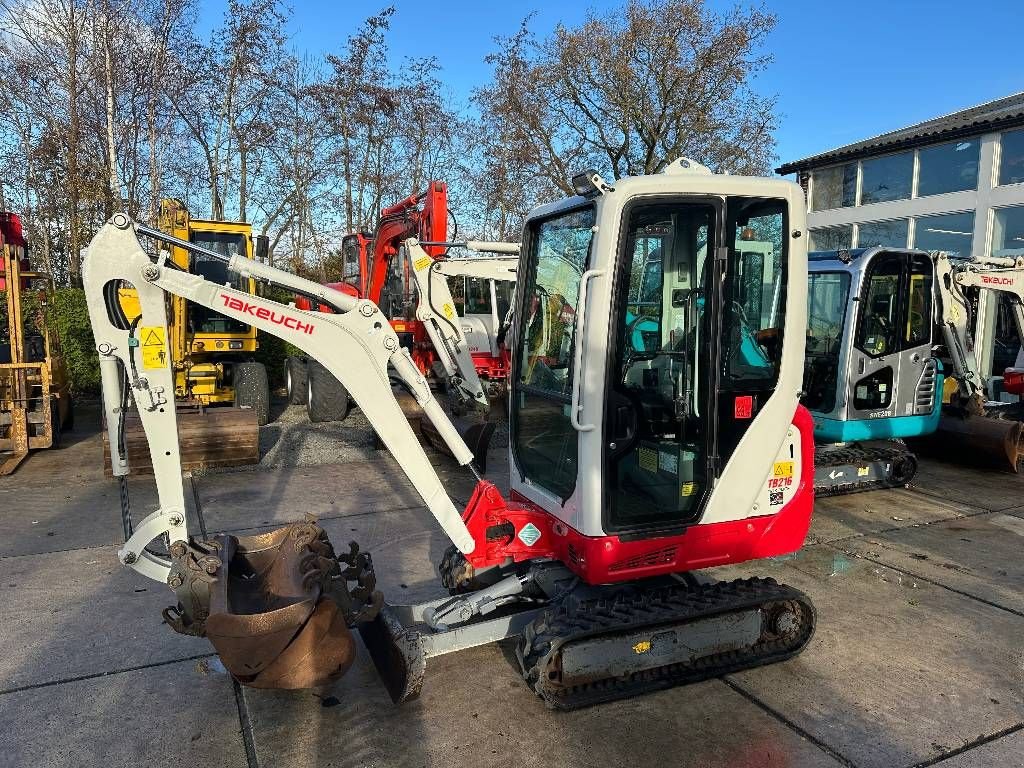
[647, 459]
[422, 263]
[152, 336]
[783, 469]
[863, 471]
[449, 311]
[152, 339]
[687, 489]
[642, 647]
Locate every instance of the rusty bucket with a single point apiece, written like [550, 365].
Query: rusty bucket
[977, 440]
[273, 616]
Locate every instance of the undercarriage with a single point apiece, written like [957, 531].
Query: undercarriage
[863, 466]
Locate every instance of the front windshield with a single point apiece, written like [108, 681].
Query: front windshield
[203, 319]
[563, 245]
[827, 294]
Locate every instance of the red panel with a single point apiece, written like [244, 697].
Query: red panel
[10, 226]
[608, 559]
[1013, 381]
[743, 407]
[492, 367]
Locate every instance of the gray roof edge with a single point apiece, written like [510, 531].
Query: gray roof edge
[1005, 112]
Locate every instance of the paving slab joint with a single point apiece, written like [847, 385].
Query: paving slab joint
[978, 742]
[927, 580]
[248, 738]
[830, 751]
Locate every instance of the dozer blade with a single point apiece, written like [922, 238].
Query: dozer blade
[397, 653]
[275, 606]
[209, 437]
[977, 440]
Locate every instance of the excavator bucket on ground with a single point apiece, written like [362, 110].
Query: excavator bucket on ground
[474, 429]
[275, 606]
[979, 440]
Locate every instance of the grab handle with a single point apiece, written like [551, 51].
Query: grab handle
[575, 406]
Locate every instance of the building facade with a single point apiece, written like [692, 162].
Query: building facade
[954, 183]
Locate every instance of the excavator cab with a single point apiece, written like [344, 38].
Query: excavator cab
[871, 377]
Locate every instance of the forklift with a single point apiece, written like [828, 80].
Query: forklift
[35, 393]
[223, 395]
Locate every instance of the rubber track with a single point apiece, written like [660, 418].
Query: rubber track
[631, 609]
[856, 455]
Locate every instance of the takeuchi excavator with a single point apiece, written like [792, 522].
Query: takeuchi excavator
[881, 324]
[635, 464]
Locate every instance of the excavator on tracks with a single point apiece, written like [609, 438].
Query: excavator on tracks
[885, 326]
[637, 460]
[458, 354]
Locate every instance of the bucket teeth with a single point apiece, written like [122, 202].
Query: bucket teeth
[276, 606]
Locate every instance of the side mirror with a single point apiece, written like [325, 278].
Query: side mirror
[262, 249]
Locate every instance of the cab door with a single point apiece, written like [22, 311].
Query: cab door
[891, 356]
[545, 444]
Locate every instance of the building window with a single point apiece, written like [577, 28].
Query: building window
[1011, 163]
[834, 187]
[950, 232]
[891, 234]
[887, 178]
[1008, 232]
[831, 238]
[949, 167]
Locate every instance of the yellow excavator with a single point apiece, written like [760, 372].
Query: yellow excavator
[211, 354]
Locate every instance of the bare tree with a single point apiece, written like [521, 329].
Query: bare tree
[628, 92]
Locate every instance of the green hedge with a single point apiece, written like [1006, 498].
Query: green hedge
[274, 350]
[68, 318]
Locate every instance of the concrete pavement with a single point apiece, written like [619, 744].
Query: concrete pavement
[916, 660]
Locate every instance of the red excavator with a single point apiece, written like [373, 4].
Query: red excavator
[384, 268]
[647, 441]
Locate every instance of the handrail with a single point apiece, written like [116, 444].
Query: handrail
[575, 407]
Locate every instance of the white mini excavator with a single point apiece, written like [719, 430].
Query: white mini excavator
[655, 431]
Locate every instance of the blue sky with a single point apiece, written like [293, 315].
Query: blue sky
[842, 71]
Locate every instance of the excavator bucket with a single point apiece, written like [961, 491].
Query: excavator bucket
[209, 437]
[275, 605]
[476, 434]
[978, 440]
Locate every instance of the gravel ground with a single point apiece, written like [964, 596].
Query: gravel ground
[290, 440]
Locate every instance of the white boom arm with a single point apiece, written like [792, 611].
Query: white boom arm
[995, 273]
[436, 309]
[356, 346]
